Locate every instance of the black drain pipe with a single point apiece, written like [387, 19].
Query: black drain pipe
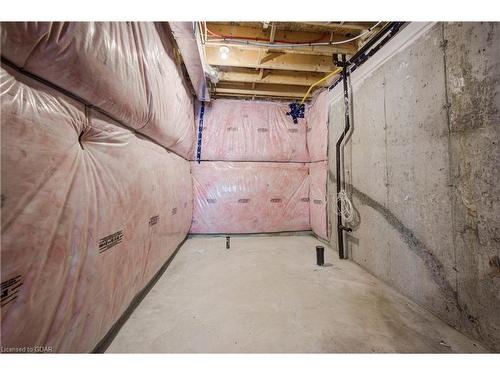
[340, 227]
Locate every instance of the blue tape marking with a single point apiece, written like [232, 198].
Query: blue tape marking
[296, 111]
[200, 129]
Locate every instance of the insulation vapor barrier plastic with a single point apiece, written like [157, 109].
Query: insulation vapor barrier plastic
[90, 212]
[91, 209]
[126, 69]
[317, 123]
[317, 194]
[237, 130]
[249, 197]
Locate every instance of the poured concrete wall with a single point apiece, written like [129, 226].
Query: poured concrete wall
[422, 169]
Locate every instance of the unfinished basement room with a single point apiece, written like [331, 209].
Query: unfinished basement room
[250, 186]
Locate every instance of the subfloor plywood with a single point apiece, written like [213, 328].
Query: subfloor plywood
[266, 294]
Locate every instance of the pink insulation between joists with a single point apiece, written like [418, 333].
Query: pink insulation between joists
[247, 130]
[90, 212]
[317, 123]
[127, 69]
[318, 173]
[249, 197]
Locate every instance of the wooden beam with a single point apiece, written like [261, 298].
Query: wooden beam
[259, 93]
[257, 33]
[275, 76]
[261, 74]
[327, 50]
[273, 33]
[260, 89]
[341, 26]
[250, 59]
[269, 56]
[255, 96]
[256, 71]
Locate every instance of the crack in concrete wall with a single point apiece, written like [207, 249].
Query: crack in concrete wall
[416, 245]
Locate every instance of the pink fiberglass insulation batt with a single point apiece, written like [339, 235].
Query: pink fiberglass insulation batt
[90, 212]
[127, 69]
[317, 124]
[318, 172]
[249, 197]
[239, 130]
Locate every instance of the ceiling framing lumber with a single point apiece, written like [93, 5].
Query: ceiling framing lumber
[261, 90]
[341, 26]
[348, 48]
[261, 63]
[222, 91]
[274, 76]
[244, 58]
[258, 33]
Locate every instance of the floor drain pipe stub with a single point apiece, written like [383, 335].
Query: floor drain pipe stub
[228, 242]
[320, 255]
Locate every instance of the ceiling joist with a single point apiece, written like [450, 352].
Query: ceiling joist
[326, 50]
[344, 26]
[271, 76]
[261, 63]
[245, 58]
[243, 32]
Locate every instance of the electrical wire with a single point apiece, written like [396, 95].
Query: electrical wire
[280, 44]
[256, 39]
[237, 40]
[346, 211]
[336, 71]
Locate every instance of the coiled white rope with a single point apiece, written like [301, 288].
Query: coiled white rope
[346, 210]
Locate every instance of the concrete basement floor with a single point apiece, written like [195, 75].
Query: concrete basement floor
[266, 295]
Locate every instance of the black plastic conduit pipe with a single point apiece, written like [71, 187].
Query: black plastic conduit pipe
[363, 54]
[340, 226]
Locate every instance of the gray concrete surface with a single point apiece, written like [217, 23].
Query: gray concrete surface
[422, 168]
[266, 294]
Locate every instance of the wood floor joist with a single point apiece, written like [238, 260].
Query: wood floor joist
[245, 58]
[278, 36]
[255, 59]
[340, 26]
[240, 30]
[348, 49]
[260, 90]
[272, 76]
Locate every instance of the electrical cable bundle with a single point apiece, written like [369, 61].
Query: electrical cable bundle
[346, 211]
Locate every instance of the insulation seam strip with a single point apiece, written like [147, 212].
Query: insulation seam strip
[200, 130]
